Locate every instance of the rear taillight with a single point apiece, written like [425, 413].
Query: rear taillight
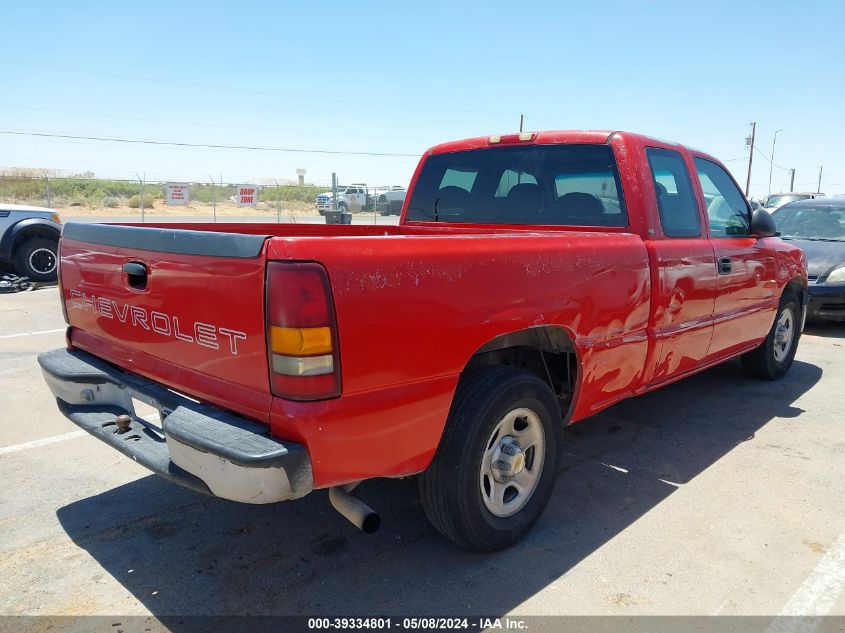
[301, 333]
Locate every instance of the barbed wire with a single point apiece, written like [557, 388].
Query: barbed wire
[261, 183]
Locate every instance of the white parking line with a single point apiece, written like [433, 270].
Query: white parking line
[32, 333]
[817, 595]
[14, 448]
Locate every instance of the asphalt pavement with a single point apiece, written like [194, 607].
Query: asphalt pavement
[718, 494]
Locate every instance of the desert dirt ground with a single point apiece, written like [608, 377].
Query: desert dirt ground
[263, 209]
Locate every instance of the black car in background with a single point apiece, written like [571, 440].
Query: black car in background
[818, 227]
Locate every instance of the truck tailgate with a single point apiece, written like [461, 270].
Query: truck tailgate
[182, 307]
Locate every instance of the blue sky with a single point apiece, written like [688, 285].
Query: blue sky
[397, 77]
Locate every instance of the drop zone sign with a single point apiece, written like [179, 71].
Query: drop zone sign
[247, 195]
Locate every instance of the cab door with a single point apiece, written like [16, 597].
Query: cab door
[746, 284]
[685, 284]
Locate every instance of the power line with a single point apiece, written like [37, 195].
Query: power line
[199, 123]
[257, 148]
[757, 149]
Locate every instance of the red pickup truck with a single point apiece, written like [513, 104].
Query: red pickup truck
[533, 280]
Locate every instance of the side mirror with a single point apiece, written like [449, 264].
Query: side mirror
[762, 224]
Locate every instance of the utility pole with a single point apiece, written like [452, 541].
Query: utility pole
[521, 120]
[772, 161]
[791, 179]
[819, 189]
[750, 142]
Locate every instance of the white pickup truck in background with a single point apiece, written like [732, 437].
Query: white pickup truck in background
[349, 199]
[358, 197]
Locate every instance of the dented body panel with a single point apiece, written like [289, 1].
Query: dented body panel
[415, 302]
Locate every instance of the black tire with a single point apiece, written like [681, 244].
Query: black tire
[343, 208]
[451, 487]
[37, 258]
[772, 359]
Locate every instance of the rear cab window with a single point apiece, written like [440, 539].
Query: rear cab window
[566, 185]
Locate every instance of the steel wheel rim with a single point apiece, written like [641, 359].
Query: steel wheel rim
[503, 490]
[42, 261]
[784, 333]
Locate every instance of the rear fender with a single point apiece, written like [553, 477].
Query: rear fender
[546, 340]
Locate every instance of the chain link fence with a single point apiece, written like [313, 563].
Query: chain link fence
[87, 197]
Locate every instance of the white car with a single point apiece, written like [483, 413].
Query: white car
[390, 202]
[777, 200]
[29, 239]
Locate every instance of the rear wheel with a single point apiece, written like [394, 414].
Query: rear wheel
[37, 258]
[773, 358]
[497, 462]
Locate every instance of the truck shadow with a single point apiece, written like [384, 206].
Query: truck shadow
[181, 554]
[828, 329]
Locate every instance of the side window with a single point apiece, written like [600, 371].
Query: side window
[727, 209]
[458, 178]
[675, 200]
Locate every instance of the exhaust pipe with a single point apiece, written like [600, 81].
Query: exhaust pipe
[356, 511]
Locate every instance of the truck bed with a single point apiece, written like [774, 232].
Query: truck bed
[450, 288]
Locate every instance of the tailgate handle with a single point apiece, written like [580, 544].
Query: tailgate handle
[136, 275]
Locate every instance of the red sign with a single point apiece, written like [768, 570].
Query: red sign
[246, 195]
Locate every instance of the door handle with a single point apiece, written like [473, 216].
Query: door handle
[724, 265]
[136, 274]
